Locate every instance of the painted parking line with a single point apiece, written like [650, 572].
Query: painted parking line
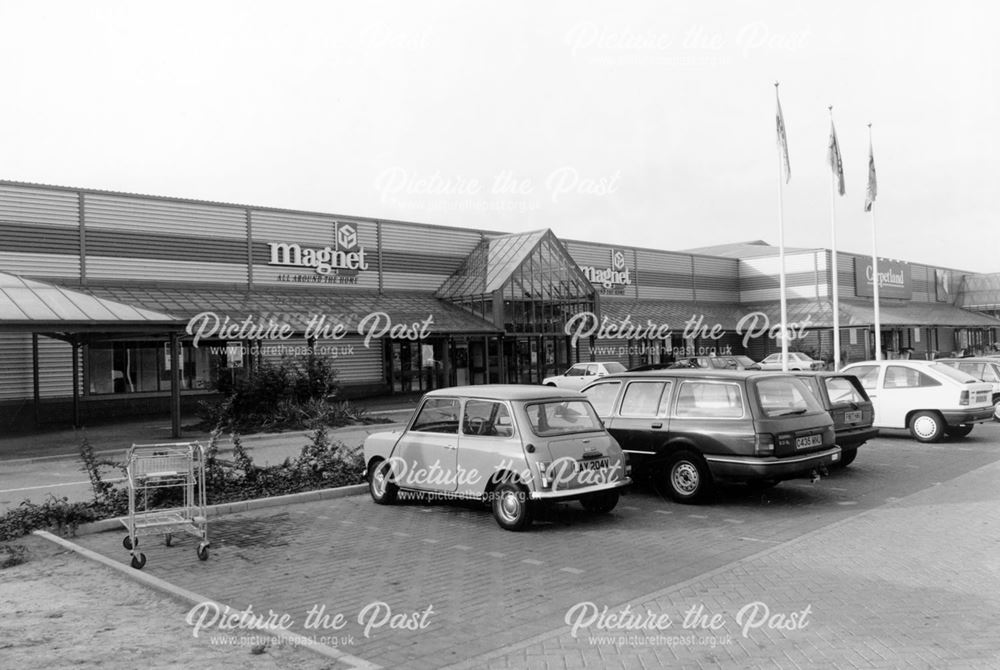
[460, 547]
[664, 511]
[533, 561]
[496, 554]
[572, 571]
[733, 520]
[755, 539]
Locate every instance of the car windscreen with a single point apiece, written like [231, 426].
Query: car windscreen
[562, 417]
[785, 396]
[953, 373]
[614, 368]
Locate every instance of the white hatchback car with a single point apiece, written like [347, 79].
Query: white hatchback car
[929, 399]
[582, 374]
[796, 361]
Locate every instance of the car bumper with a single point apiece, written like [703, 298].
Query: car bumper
[573, 494]
[977, 415]
[854, 438]
[749, 468]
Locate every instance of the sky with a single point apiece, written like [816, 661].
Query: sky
[648, 124]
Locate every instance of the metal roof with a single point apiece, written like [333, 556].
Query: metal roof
[31, 303]
[819, 314]
[673, 313]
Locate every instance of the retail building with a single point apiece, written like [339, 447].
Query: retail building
[400, 306]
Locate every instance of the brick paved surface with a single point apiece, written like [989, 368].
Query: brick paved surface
[897, 560]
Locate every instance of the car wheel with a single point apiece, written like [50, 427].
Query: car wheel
[847, 457]
[688, 478]
[511, 506]
[380, 483]
[960, 430]
[996, 409]
[600, 503]
[926, 427]
[551, 384]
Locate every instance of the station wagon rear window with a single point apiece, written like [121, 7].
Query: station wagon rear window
[785, 396]
[562, 417]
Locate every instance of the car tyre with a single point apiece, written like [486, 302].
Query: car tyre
[381, 486]
[688, 479]
[600, 503]
[847, 456]
[960, 430]
[926, 427]
[996, 409]
[512, 506]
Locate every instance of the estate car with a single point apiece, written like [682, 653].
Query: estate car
[983, 368]
[692, 428]
[514, 446]
[928, 398]
[844, 397]
[581, 374]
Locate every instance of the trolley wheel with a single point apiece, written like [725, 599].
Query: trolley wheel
[168, 539]
[127, 542]
[139, 561]
[203, 551]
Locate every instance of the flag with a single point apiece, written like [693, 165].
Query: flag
[782, 140]
[872, 185]
[833, 156]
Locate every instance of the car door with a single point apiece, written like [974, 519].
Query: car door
[640, 423]
[575, 377]
[903, 389]
[869, 375]
[426, 456]
[487, 444]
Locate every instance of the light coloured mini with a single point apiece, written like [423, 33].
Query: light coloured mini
[513, 446]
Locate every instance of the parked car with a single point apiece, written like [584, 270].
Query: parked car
[928, 398]
[986, 368]
[692, 428]
[717, 362]
[843, 396]
[796, 361]
[581, 374]
[514, 446]
[650, 366]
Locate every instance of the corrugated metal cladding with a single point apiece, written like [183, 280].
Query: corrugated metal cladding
[791, 291]
[716, 279]
[33, 205]
[664, 293]
[157, 216]
[131, 244]
[309, 229]
[40, 265]
[355, 364]
[151, 269]
[34, 238]
[923, 282]
[55, 367]
[406, 263]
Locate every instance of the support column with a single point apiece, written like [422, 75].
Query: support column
[75, 348]
[175, 386]
[36, 385]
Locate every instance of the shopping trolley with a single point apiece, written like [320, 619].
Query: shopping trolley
[152, 471]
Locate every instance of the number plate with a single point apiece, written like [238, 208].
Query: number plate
[852, 417]
[594, 464]
[807, 441]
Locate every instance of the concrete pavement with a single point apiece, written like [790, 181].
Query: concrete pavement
[894, 562]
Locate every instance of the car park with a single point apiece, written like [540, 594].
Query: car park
[928, 398]
[514, 446]
[716, 362]
[843, 396]
[983, 368]
[796, 361]
[581, 374]
[690, 428]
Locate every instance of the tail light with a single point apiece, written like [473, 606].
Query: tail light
[763, 444]
[543, 473]
[963, 399]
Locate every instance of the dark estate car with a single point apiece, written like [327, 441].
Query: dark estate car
[690, 428]
[849, 406]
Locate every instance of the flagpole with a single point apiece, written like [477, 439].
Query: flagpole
[875, 278]
[781, 249]
[835, 278]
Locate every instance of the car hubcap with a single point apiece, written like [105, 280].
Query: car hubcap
[685, 478]
[378, 481]
[925, 426]
[996, 411]
[510, 505]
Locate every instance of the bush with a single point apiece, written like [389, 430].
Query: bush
[55, 514]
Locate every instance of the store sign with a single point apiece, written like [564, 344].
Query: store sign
[345, 257]
[613, 279]
[943, 286]
[893, 278]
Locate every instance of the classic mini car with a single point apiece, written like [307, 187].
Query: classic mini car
[796, 361]
[928, 398]
[581, 374]
[689, 429]
[514, 446]
[983, 368]
[844, 397]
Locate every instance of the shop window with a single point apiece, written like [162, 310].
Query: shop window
[144, 367]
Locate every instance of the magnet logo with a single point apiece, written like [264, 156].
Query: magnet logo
[347, 236]
[618, 260]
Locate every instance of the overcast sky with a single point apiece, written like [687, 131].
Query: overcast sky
[639, 123]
